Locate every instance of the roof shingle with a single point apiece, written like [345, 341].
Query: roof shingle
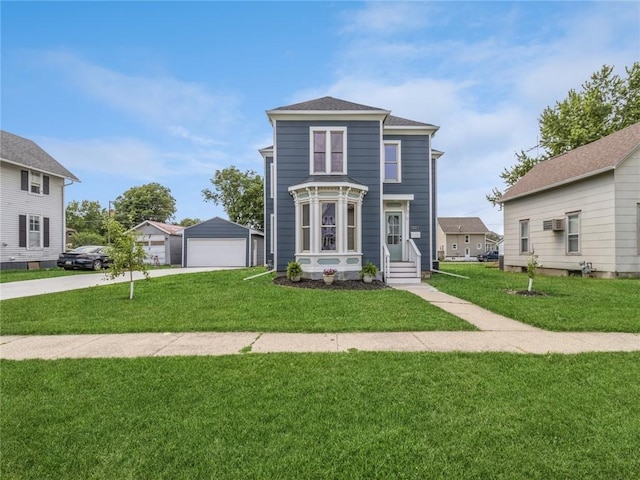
[328, 104]
[467, 225]
[27, 153]
[596, 157]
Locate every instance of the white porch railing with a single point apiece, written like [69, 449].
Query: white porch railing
[415, 256]
[386, 268]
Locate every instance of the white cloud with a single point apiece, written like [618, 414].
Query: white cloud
[387, 18]
[178, 107]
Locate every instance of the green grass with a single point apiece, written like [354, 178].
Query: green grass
[221, 301]
[568, 303]
[299, 416]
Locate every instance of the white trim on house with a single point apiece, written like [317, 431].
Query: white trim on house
[410, 130]
[275, 115]
[398, 196]
[398, 162]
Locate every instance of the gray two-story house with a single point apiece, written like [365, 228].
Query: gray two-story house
[347, 184]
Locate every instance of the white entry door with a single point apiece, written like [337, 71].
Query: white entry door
[393, 235]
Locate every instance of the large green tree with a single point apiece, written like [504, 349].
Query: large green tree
[605, 104]
[146, 202]
[241, 195]
[86, 216]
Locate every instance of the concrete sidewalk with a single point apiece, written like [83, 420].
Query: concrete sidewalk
[498, 334]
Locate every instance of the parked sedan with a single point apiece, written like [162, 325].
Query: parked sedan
[90, 257]
[488, 257]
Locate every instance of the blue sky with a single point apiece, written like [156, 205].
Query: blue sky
[127, 93]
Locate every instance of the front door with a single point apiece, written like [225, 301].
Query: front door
[394, 235]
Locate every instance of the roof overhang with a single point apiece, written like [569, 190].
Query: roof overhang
[398, 197]
[410, 130]
[327, 115]
[332, 185]
[31, 167]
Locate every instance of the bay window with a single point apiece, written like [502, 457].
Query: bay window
[328, 226]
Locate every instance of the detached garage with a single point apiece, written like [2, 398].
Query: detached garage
[220, 243]
[162, 242]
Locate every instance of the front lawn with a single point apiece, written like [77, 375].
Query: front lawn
[221, 301]
[567, 303]
[352, 415]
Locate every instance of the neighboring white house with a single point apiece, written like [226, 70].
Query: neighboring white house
[32, 212]
[462, 237]
[580, 211]
[161, 241]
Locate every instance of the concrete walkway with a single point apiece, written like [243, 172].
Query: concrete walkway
[498, 334]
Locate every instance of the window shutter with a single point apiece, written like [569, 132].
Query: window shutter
[46, 231]
[45, 184]
[22, 231]
[24, 180]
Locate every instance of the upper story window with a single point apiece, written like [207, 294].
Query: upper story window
[328, 150]
[392, 162]
[34, 182]
[524, 236]
[573, 233]
[467, 239]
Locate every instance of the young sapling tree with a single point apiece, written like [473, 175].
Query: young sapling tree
[126, 254]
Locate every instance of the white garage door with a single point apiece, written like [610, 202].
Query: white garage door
[216, 252]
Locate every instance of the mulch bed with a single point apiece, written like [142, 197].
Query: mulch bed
[526, 293]
[336, 285]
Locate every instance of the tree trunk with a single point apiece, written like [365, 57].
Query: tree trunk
[131, 284]
[530, 284]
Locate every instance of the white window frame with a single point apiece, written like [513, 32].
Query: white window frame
[398, 162]
[327, 159]
[271, 180]
[454, 246]
[467, 239]
[352, 230]
[478, 246]
[574, 235]
[522, 238]
[40, 232]
[36, 179]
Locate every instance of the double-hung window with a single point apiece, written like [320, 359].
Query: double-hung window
[524, 236]
[305, 227]
[573, 233]
[392, 162]
[351, 227]
[34, 182]
[35, 232]
[328, 150]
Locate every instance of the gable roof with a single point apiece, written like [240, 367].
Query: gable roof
[466, 225]
[594, 158]
[164, 227]
[26, 153]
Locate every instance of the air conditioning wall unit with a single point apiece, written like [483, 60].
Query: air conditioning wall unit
[557, 224]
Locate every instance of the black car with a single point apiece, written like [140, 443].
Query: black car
[90, 257]
[488, 257]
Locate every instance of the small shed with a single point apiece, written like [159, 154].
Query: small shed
[161, 242]
[221, 243]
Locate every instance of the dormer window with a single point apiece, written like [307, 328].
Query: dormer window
[328, 151]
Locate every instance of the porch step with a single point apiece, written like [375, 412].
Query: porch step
[402, 272]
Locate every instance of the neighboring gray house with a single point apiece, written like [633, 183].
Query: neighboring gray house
[161, 241]
[220, 243]
[32, 212]
[580, 211]
[464, 237]
[348, 184]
